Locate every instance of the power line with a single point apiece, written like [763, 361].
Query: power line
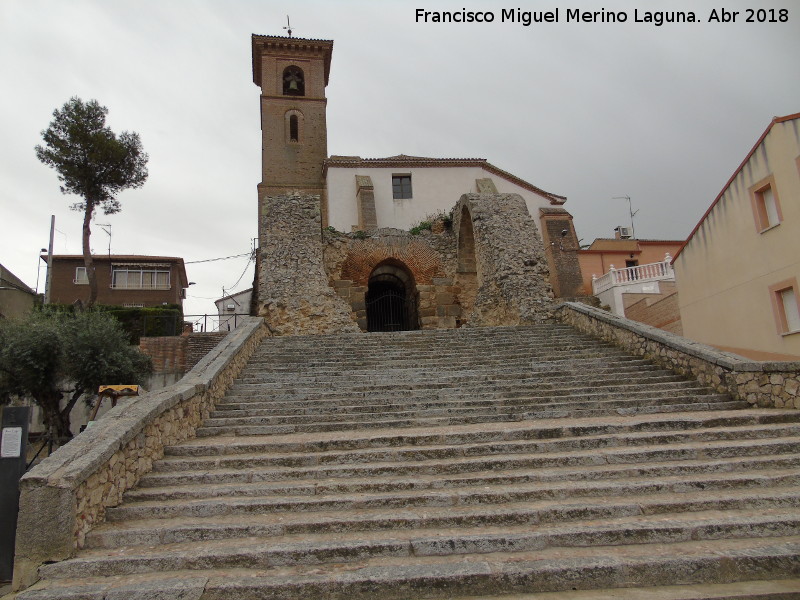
[193, 262]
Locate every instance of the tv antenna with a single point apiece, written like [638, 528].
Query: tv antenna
[103, 226]
[288, 27]
[630, 210]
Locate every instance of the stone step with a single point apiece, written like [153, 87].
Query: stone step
[776, 589]
[521, 407]
[165, 529]
[524, 374]
[440, 405]
[311, 481]
[510, 389]
[404, 577]
[631, 426]
[355, 424]
[351, 547]
[518, 492]
[523, 454]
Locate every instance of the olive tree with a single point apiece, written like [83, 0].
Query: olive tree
[55, 358]
[92, 162]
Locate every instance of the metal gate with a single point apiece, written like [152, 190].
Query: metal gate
[388, 311]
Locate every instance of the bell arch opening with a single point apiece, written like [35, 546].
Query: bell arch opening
[294, 83]
[391, 299]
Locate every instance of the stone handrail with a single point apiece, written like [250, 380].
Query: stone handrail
[763, 384]
[638, 274]
[67, 494]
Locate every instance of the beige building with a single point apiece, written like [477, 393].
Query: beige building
[739, 269]
[16, 298]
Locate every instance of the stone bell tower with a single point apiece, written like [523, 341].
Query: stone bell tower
[292, 74]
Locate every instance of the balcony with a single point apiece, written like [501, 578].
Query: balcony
[140, 286]
[639, 274]
[641, 279]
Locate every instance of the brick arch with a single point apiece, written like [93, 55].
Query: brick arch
[363, 256]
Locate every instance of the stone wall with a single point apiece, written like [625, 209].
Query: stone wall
[763, 384]
[511, 272]
[67, 494]
[561, 250]
[293, 290]
[659, 310]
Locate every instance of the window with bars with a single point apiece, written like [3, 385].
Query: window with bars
[401, 187]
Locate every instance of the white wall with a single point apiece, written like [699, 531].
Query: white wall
[434, 189]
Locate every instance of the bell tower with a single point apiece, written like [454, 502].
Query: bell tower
[292, 74]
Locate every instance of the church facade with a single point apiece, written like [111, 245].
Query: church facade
[397, 243]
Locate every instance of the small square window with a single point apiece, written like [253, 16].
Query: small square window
[80, 276]
[766, 207]
[401, 187]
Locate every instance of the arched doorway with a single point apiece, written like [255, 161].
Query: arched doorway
[391, 299]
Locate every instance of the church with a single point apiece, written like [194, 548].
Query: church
[398, 243]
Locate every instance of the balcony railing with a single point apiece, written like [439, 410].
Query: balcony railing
[638, 274]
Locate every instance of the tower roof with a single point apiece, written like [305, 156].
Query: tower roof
[262, 43]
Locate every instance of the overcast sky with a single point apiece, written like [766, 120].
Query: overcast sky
[585, 110]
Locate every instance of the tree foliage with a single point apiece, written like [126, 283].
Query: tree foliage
[93, 163]
[50, 354]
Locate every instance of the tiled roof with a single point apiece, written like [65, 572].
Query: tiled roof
[404, 160]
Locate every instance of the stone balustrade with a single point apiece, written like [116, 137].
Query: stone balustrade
[67, 494]
[763, 384]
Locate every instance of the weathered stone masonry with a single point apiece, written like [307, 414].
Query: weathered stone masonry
[293, 290]
[763, 384]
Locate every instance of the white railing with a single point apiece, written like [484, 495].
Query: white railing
[638, 274]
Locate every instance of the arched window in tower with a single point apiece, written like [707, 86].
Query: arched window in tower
[293, 126]
[293, 82]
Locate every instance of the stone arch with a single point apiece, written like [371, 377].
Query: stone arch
[392, 298]
[294, 82]
[511, 276]
[467, 277]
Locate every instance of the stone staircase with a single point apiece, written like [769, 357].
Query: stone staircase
[517, 463]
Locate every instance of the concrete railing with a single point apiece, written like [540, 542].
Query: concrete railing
[67, 494]
[639, 274]
[764, 384]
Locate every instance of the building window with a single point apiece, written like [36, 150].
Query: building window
[293, 124]
[401, 187]
[766, 207]
[80, 276]
[293, 82]
[786, 307]
[123, 278]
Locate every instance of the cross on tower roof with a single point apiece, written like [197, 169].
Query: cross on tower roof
[288, 27]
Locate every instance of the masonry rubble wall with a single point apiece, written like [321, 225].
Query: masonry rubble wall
[294, 295]
[762, 384]
[67, 494]
[512, 273]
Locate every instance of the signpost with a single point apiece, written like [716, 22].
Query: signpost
[13, 453]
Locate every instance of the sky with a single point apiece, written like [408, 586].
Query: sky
[590, 110]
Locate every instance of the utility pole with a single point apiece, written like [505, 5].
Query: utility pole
[49, 279]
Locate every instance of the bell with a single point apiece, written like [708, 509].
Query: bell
[293, 85]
